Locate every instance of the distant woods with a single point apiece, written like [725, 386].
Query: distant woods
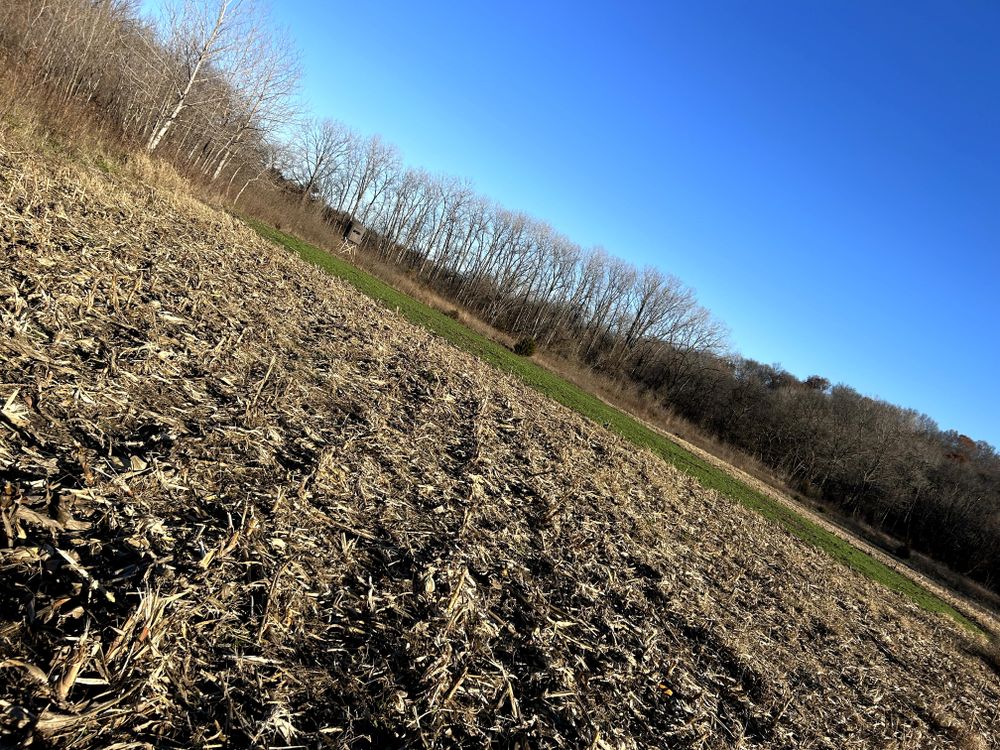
[212, 87]
[935, 491]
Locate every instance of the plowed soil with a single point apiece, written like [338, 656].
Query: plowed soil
[242, 505]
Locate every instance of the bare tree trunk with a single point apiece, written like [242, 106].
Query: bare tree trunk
[205, 55]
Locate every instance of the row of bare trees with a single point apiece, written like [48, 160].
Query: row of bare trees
[517, 273]
[211, 86]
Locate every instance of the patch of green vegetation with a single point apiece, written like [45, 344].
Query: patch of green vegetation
[614, 419]
[106, 166]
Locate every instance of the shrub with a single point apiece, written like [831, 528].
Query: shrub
[525, 347]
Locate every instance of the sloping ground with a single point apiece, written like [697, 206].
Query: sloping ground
[242, 505]
[975, 612]
[709, 472]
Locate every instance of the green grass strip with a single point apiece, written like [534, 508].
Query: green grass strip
[597, 410]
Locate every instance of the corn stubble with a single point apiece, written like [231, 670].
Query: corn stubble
[244, 506]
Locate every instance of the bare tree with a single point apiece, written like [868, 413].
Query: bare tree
[318, 150]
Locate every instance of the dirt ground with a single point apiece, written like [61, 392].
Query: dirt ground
[244, 506]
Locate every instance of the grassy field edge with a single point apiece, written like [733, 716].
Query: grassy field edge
[614, 419]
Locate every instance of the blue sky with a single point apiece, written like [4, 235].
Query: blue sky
[826, 175]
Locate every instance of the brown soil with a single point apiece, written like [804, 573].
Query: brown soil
[242, 505]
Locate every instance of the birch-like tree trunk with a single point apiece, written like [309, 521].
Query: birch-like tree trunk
[207, 42]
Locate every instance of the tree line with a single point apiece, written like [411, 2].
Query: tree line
[212, 86]
[935, 490]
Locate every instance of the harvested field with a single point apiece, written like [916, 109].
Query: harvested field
[713, 474]
[242, 505]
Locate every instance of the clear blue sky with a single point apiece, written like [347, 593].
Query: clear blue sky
[826, 175]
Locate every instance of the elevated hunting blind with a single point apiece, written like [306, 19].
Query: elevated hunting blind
[354, 233]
